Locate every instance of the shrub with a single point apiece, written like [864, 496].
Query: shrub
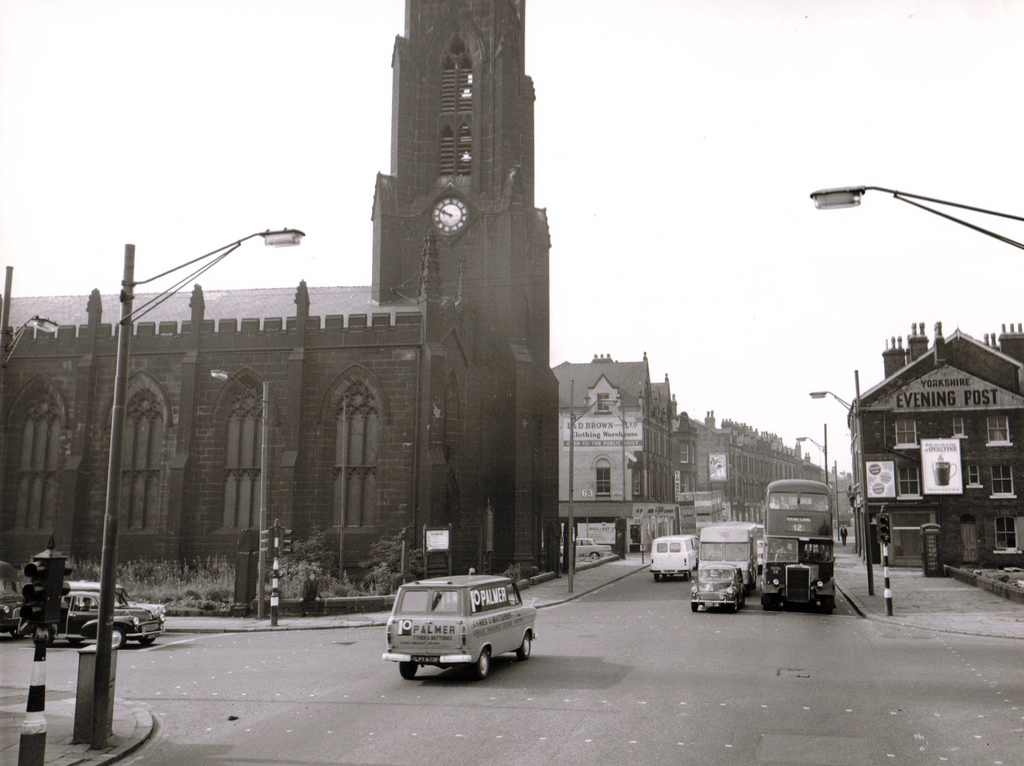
[383, 568]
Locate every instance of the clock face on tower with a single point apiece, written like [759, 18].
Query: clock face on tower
[450, 215]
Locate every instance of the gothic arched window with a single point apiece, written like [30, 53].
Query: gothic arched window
[456, 134]
[140, 475]
[35, 504]
[357, 436]
[242, 463]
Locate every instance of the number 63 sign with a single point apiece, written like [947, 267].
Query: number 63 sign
[587, 493]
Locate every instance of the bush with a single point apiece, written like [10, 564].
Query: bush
[384, 566]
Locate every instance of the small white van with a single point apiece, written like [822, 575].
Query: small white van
[673, 555]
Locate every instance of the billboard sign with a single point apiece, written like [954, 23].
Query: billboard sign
[718, 466]
[940, 467]
[881, 478]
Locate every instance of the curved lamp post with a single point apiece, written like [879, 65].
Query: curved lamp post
[850, 196]
[37, 323]
[824, 450]
[860, 470]
[103, 692]
[261, 557]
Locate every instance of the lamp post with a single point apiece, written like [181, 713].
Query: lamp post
[102, 686]
[7, 347]
[261, 556]
[860, 470]
[824, 450]
[850, 196]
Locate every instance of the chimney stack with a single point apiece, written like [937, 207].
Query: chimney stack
[893, 358]
[917, 343]
[940, 345]
[1012, 343]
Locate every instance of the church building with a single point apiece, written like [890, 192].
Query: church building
[423, 400]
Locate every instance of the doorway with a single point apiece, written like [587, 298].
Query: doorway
[968, 540]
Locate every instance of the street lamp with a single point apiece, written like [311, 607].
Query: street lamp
[850, 196]
[860, 470]
[264, 462]
[824, 450]
[102, 686]
[36, 322]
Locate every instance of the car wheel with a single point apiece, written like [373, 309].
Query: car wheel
[408, 670]
[117, 638]
[523, 652]
[595, 556]
[74, 641]
[147, 640]
[693, 607]
[14, 633]
[482, 668]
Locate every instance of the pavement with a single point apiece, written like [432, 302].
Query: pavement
[927, 603]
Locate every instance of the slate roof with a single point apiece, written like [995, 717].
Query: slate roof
[630, 378]
[261, 303]
[960, 351]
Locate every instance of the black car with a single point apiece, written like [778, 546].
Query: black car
[10, 599]
[79, 617]
[719, 585]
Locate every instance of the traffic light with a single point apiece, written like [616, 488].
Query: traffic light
[42, 594]
[286, 541]
[884, 533]
[264, 538]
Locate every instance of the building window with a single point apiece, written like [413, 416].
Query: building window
[906, 431]
[1002, 480]
[143, 445]
[456, 137]
[998, 429]
[603, 401]
[973, 476]
[603, 478]
[38, 466]
[242, 465]
[357, 436]
[1006, 536]
[958, 427]
[684, 453]
[910, 484]
[447, 151]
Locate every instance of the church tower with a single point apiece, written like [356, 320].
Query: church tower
[461, 181]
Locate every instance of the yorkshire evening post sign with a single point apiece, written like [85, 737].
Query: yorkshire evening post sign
[946, 389]
[940, 467]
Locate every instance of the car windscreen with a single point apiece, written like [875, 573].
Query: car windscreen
[717, 574]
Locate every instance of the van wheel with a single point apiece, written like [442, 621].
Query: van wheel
[408, 670]
[482, 668]
[656, 577]
[74, 641]
[523, 652]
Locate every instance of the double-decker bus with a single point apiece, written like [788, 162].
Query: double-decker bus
[798, 557]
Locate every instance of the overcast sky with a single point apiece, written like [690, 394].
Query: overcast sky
[677, 144]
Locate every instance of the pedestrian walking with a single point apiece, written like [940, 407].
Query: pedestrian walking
[842, 535]
[311, 600]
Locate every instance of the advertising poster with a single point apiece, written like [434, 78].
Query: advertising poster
[717, 466]
[881, 478]
[940, 467]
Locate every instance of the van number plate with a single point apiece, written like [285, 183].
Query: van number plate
[422, 658]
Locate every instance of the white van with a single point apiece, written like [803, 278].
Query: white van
[673, 555]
